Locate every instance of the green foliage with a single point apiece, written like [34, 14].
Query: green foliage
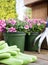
[37, 28]
[8, 9]
[20, 25]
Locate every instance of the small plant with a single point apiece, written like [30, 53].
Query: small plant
[28, 26]
[41, 37]
[35, 25]
[13, 25]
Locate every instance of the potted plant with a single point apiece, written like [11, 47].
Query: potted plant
[36, 26]
[41, 37]
[13, 32]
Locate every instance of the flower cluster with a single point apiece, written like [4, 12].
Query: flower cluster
[13, 25]
[28, 26]
[35, 25]
[2, 25]
[7, 9]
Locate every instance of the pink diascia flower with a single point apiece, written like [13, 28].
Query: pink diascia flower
[26, 26]
[2, 23]
[38, 24]
[30, 25]
[35, 21]
[30, 21]
[42, 21]
[12, 29]
[12, 21]
[26, 18]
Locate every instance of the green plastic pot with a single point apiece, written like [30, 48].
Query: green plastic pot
[15, 38]
[29, 43]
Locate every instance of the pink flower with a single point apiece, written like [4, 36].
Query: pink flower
[35, 21]
[38, 24]
[30, 25]
[26, 27]
[29, 20]
[42, 21]
[12, 29]
[2, 23]
[26, 18]
[12, 21]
